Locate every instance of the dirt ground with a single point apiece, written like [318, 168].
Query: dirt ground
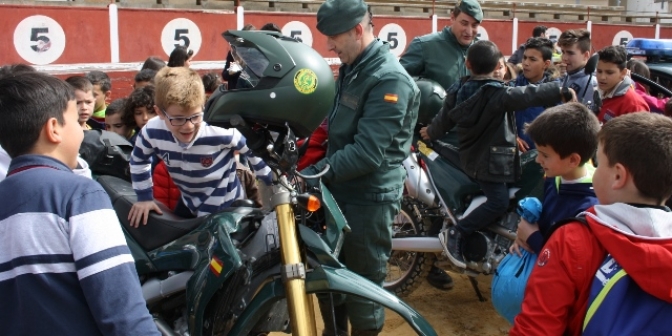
[456, 312]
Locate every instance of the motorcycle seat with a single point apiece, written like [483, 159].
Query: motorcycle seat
[160, 229]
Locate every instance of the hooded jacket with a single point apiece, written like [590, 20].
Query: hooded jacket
[557, 294]
[621, 100]
[562, 201]
[486, 126]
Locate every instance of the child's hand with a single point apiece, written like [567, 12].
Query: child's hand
[140, 212]
[517, 245]
[525, 230]
[424, 135]
[522, 145]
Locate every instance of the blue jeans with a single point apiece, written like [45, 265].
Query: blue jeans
[496, 205]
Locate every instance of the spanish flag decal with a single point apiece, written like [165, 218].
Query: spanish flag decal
[216, 265]
[391, 98]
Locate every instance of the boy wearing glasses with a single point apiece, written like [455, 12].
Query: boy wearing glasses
[199, 157]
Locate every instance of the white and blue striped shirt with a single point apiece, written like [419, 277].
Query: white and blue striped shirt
[204, 170]
[65, 268]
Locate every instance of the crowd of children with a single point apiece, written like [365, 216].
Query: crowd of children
[584, 266]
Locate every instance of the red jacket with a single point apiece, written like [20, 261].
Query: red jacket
[624, 100]
[556, 298]
[165, 190]
[317, 148]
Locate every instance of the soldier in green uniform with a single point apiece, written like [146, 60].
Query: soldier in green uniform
[370, 130]
[441, 57]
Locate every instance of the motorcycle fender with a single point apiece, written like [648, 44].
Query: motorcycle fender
[328, 279]
[336, 223]
[319, 247]
[417, 182]
[209, 276]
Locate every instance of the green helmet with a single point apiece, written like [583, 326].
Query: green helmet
[431, 99]
[282, 82]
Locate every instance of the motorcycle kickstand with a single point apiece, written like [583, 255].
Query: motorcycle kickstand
[474, 284]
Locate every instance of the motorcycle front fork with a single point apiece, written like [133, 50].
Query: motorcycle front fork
[293, 268]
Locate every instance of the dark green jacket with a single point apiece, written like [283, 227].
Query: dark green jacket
[370, 129]
[438, 56]
[486, 127]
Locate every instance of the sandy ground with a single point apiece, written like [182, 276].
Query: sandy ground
[456, 312]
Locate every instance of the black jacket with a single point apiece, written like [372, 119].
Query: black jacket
[486, 127]
[231, 80]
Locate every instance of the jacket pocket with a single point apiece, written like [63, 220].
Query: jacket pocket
[502, 160]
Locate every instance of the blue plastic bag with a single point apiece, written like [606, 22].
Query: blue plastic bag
[509, 282]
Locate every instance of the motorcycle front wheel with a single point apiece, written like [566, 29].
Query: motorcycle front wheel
[406, 270]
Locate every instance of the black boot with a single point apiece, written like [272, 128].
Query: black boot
[440, 279]
[366, 332]
[339, 315]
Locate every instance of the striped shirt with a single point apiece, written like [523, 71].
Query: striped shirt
[65, 268]
[204, 170]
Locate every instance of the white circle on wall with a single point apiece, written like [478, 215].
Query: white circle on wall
[39, 40]
[553, 33]
[181, 32]
[622, 38]
[393, 34]
[298, 30]
[482, 34]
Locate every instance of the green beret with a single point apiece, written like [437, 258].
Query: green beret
[338, 16]
[471, 8]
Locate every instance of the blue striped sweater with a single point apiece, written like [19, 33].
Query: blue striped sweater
[204, 170]
[65, 268]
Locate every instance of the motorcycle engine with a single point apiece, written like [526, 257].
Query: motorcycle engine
[483, 250]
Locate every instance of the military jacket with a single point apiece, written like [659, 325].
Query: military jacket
[438, 56]
[370, 128]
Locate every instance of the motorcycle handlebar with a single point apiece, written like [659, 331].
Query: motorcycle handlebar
[316, 176]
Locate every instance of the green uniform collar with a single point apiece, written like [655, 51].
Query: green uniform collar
[450, 37]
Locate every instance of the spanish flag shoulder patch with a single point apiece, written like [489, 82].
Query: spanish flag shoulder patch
[391, 98]
[216, 265]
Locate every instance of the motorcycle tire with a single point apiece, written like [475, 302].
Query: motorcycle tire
[406, 270]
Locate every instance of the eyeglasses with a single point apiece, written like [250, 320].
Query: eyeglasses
[180, 121]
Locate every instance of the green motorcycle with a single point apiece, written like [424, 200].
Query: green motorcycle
[245, 271]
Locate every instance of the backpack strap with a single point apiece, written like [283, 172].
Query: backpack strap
[597, 302]
[580, 219]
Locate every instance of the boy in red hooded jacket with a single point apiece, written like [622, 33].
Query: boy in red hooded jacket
[629, 235]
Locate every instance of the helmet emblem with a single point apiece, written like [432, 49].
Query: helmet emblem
[305, 81]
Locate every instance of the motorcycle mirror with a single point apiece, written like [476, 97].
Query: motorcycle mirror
[591, 65]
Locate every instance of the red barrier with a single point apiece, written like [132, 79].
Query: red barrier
[49, 34]
[142, 35]
[70, 35]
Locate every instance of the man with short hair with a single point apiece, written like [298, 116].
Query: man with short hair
[441, 57]
[370, 131]
[517, 57]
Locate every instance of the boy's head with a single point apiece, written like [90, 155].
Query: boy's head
[139, 107]
[539, 31]
[83, 96]
[143, 78]
[537, 58]
[634, 158]
[566, 138]
[39, 116]
[611, 68]
[154, 63]
[180, 95]
[102, 88]
[13, 69]
[114, 117]
[483, 57]
[180, 57]
[211, 82]
[575, 46]
[639, 67]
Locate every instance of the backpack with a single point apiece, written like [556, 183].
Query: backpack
[617, 305]
[107, 153]
[509, 283]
